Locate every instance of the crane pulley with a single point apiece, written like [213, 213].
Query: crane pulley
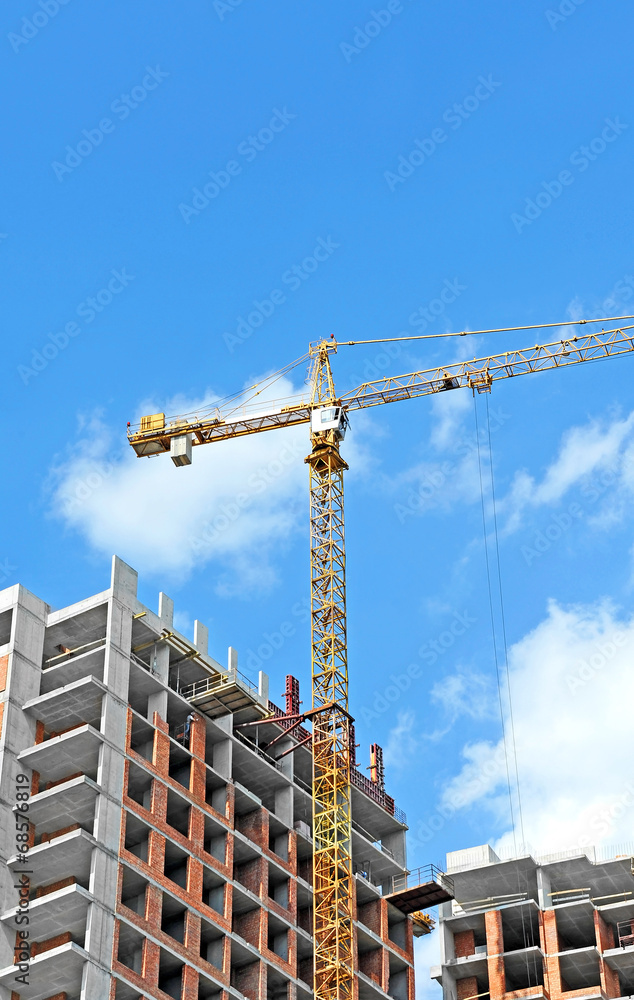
[327, 415]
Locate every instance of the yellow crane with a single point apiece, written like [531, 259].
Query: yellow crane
[327, 415]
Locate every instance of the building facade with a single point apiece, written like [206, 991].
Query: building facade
[560, 928]
[152, 846]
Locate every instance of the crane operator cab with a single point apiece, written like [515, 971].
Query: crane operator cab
[330, 418]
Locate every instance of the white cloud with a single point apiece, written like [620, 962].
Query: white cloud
[597, 449]
[237, 506]
[402, 744]
[573, 686]
[465, 693]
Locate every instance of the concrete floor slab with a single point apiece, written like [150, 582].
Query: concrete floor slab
[58, 859]
[57, 970]
[64, 755]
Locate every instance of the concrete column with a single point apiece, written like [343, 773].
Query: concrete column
[447, 953]
[263, 688]
[284, 804]
[201, 637]
[232, 661]
[543, 889]
[95, 982]
[166, 611]
[395, 842]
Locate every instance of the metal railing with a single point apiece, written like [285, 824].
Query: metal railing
[211, 684]
[420, 876]
[400, 815]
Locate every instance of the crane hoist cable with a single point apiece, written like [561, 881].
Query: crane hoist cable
[492, 617]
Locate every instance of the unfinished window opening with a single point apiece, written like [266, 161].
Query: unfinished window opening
[215, 842]
[176, 864]
[580, 970]
[575, 925]
[5, 626]
[397, 931]
[215, 793]
[520, 926]
[136, 836]
[133, 888]
[142, 738]
[212, 945]
[139, 785]
[130, 948]
[180, 764]
[278, 844]
[173, 918]
[398, 985]
[524, 972]
[170, 975]
[177, 813]
[278, 938]
[277, 987]
[305, 919]
[278, 886]
[214, 891]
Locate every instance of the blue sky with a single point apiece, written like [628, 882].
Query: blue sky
[518, 198]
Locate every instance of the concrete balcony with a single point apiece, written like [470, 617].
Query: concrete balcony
[70, 854]
[65, 804]
[65, 754]
[56, 971]
[75, 703]
[66, 909]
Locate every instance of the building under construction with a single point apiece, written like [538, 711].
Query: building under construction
[156, 827]
[559, 927]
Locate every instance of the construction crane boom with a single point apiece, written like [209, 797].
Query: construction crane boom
[327, 415]
[153, 435]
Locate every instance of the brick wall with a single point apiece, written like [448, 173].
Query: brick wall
[464, 944]
[495, 947]
[466, 988]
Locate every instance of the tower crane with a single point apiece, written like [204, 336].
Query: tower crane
[326, 413]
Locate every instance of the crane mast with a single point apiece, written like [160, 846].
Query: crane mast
[332, 850]
[327, 415]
